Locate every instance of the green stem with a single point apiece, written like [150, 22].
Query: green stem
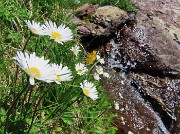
[36, 106]
[93, 65]
[73, 80]
[48, 49]
[16, 74]
[13, 105]
[57, 108]
[29, 89]
[26, 43]
[95, 119]
[69, 105]
[37, 41]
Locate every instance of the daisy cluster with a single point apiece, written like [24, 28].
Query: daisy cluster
[41, 69]
[60, 34]
[91, 58]
[99, 69]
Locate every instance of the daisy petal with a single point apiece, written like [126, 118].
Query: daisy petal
[31, 81]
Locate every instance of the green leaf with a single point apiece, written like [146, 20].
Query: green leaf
[57, 129]
[97, 130]
[68, 118]
[2, 115]
[14, 36]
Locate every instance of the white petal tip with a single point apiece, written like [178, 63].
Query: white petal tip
[31, 81]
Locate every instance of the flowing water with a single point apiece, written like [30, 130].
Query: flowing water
[150, 99]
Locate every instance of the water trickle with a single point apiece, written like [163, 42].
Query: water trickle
[132, 55]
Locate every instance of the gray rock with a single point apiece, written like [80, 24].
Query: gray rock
[102, 21]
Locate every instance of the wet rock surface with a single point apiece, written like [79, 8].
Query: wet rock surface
[135, 46]
[160, 21]
[163, 94]
[159, 92]
[135, 114]
[145, 54]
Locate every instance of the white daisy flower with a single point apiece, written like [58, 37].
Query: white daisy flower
[35, 27]
[99, 69]
[59, 34]
[105, 74]
[35, 67]
[116, 105]
[98, 57]
[101, 60]
[89, 89]
[61, 73]
[80, 68]
[96, 76]
[75, 50]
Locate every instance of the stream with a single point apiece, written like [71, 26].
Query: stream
[149, 101]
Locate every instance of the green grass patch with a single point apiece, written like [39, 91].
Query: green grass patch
[48, 107]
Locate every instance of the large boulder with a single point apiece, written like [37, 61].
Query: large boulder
[159, 20]
[100, 21]
[133, 45]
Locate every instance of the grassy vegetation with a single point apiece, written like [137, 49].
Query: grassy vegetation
[48, 107]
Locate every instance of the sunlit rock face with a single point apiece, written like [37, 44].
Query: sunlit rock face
[101, 21]
[98, 24]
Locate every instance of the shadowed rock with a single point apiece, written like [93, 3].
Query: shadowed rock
[163, 94]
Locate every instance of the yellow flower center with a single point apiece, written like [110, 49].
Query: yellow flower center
[86, 91]
[98, 70]
[80, 70]
[75, 51]
[58, 78]
[34, 72]
[55, 35]
[34, 30]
